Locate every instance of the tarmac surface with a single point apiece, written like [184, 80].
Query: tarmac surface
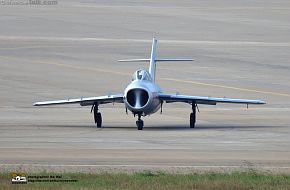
[241, 50]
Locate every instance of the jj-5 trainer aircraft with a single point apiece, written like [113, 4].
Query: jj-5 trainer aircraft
[144, 97]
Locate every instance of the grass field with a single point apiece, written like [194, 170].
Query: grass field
[149, 180]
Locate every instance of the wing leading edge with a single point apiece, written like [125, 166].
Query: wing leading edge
[169, 98]
[118, 98]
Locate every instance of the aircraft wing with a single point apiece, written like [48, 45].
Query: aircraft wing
[169, 98]
[118, 98]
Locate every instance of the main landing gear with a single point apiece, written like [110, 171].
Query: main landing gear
[193, 115]
[97, 116]
[139, 123]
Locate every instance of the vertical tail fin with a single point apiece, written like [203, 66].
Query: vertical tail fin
[152, 67]
[153, 60]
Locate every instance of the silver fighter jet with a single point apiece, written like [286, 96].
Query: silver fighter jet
[144, 97]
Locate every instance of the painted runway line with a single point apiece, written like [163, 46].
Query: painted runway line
[147, 165]
[197, 42]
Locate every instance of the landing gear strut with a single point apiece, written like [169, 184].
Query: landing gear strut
[97, 116]
[193, 115]
[139, 123]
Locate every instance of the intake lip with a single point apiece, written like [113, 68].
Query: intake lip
[137, 98]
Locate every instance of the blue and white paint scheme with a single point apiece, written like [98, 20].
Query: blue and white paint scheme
[144, 97]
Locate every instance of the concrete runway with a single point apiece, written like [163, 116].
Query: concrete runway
[241, 50]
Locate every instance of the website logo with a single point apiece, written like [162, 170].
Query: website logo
[18, 178]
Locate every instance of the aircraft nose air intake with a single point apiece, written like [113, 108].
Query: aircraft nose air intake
[137, 98]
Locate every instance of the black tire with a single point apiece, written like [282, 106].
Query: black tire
[98, 120]
[192, 120]
[140, 124]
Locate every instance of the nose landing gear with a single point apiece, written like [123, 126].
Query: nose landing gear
[139, 123]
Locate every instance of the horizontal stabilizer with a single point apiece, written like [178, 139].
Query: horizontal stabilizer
[174, 60]
[157, 60]
[134, 60]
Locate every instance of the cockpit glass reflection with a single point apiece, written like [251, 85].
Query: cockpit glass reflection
[141, 75]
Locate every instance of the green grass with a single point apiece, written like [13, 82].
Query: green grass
[149, 180]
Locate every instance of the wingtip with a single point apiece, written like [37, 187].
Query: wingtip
[261, 102]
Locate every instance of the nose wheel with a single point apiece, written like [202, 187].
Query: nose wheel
[140, 123]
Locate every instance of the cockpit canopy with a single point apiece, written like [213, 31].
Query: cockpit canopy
[141, 75]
